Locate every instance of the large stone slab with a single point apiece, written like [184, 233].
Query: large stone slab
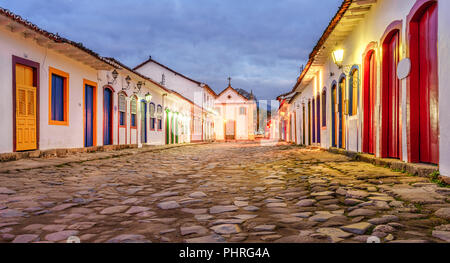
[444, 235]
[60, 236]
[187, 230]
[362, 212]
[226, 229]
[207, 239]
[222, 209]
[114, 210]
[168, 205]
[6, 191]
[443, 213]
[358, 228]
[7, 213]
[419, 195]
[26, 238]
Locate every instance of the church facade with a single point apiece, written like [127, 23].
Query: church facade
[235, 119]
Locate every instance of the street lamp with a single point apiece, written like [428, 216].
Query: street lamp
[114, 74]
[128, 80]
[338, 57]
[148, 97]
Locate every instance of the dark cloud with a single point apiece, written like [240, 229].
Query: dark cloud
[261, 44]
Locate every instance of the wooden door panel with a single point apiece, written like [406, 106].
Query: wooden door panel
[428, 88]
[393, 97]
[26, 117]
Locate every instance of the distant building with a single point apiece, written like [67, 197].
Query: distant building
[235, 118]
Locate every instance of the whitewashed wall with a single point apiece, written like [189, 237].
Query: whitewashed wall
[51, 136]
[189, 89]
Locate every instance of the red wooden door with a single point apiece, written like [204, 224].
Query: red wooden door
[369, 102]
[391, 132]
[428, 86]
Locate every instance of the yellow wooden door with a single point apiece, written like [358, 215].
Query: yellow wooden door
[26, 121]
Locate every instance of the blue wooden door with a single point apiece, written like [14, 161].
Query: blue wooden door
[143, 121]
[89, 116]
[107, 117]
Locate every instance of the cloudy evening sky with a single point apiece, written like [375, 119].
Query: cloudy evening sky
[260, 43]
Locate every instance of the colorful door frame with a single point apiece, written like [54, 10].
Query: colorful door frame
[304, 124]
[309, 123]
[423, 83]
[391, 135]
[341, 110]
[108, 104]
[369, 98]
[36, 83]
[318, 118]
[167, 126]
[90, 113]
[334, 115]
[144, 121]
[313, 109]
[177, 132]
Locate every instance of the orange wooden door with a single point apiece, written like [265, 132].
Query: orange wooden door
[26, 121]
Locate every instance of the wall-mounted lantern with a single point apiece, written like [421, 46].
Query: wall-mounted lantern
[338, 57]
[148, 97]
[114, 74]
[128, 80]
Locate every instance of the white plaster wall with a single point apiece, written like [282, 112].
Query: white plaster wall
[444, 92]
[371, 29]
[302, 99]
[51, 136]
[188, 89]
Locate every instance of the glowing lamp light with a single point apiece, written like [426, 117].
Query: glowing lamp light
[338, 57]
[148, 97]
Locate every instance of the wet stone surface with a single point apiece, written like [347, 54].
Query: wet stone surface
[235, 192]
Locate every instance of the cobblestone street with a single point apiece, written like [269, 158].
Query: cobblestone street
[235, 192]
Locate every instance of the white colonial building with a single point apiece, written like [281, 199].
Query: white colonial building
[235, 116]
[375, 80]
[57, 94]
[198, 93]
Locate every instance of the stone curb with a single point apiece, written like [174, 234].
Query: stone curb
[52, 155]
[421, 170]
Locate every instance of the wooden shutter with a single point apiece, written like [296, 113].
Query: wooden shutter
[152, 110]
[133, 106]
[122, 103]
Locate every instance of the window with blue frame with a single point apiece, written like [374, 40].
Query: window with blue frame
[57, 98]
[58, 104]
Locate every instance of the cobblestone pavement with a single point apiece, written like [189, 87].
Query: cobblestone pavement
[236, 192]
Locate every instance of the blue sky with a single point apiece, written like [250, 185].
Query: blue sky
[261, 44]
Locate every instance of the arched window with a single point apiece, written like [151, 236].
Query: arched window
[324, 107]
[159, 114]
[133, 110]
[152, 116]
[122, 109]
[353, 91]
